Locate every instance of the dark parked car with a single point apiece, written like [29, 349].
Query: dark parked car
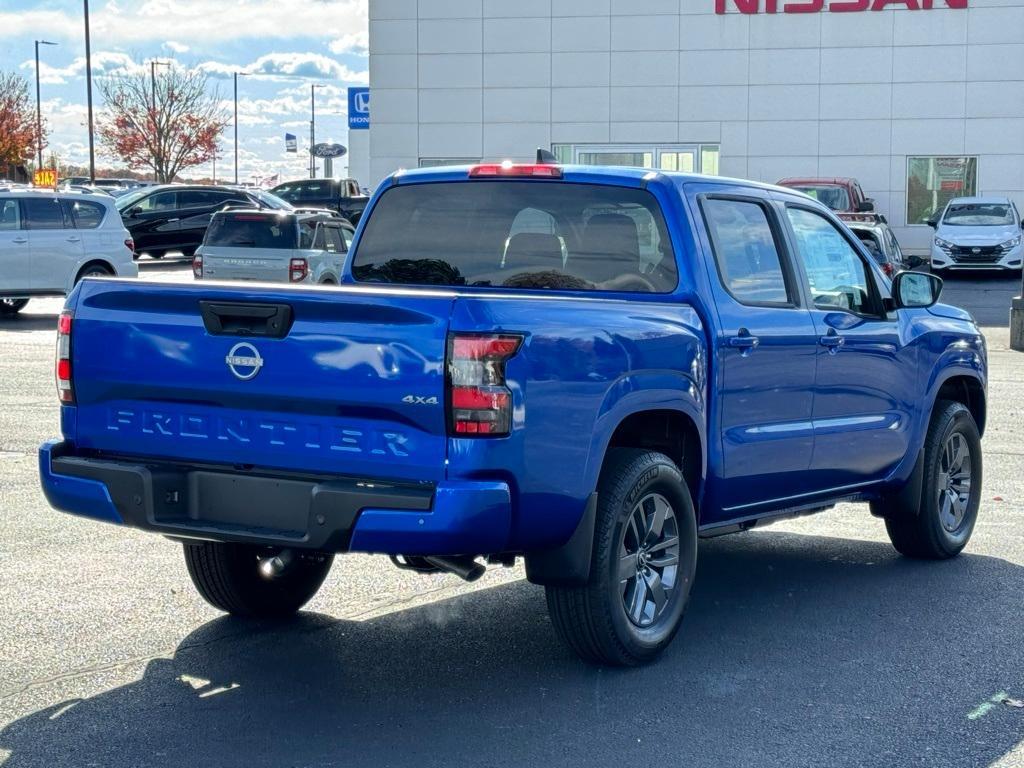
[341, 195]
[175, 217]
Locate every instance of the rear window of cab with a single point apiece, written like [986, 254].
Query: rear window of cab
[249, 230]
[518, 234]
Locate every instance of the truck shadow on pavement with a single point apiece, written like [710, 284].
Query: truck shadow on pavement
[796, 650]
[29, 322]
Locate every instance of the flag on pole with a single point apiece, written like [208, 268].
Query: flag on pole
[291, 143]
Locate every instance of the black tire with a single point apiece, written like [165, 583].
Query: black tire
[593, 619]
[229, 577]
[156, 254]
[11, 307]
[941, 527]
[94, 270]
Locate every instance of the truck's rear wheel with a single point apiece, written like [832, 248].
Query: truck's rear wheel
[951, 492]
[642, 565]
[255, 582]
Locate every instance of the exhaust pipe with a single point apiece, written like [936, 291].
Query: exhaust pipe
[272, 567]
[464, 567]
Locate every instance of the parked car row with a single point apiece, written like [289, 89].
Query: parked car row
[299, 231]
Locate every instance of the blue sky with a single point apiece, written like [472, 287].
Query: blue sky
[289, 44]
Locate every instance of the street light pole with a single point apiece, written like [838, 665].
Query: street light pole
[312, 128]
[243, 74]
[153, 64]
[88, 94]
[39, 110]
[152, 78]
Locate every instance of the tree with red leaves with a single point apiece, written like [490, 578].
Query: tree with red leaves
[17, 121]
[168, 128]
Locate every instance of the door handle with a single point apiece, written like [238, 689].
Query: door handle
[744, 341]
[74, 239]
[20, 240]
[171, 220]
[832, 342]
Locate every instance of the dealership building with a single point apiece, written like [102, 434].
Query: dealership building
[920, 100]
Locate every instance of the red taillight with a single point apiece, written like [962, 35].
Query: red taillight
[197, 266]
[298, 270]
[480, 402]
[130, 245]
[62, 367]
[513, 169]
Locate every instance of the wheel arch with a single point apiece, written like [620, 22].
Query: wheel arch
[666, 430]
[92, 262]
[965, 388]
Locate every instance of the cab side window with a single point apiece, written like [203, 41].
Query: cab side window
[838, 277]
[746, 252]
[334, 242]
[44, 213]
[10, 215]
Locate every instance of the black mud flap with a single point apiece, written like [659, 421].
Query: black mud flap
[569, 564]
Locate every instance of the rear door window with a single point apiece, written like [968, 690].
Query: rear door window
[10, 215]
[240, 230]
[518, 234]
[746, 251]
[44, 213]
[84, 214]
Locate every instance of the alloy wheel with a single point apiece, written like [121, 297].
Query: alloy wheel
[954, 482]
[648, 565]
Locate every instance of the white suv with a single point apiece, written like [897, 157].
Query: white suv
[48, 242]
[977, 233]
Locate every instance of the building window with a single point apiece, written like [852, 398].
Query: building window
[934, 181]
[685, 158]
[436, 162]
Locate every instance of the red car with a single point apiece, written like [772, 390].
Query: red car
[842, 195]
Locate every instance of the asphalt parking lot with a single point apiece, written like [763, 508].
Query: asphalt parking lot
[806, 643]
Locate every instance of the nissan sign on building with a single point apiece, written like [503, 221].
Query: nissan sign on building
[898, 94]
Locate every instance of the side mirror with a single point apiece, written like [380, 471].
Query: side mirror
[133, 213]
[866, 206]
[933, 222]
[916, 290]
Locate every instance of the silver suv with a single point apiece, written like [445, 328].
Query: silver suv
[273, 246]
[49, 241]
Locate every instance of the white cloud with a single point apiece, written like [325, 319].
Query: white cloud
[357, 43]
[104, 63]
[296, 64]
[176, 47]
[193, 20]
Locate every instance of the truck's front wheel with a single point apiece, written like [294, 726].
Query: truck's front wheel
[255, 582]
[642, 564]
[943, 522]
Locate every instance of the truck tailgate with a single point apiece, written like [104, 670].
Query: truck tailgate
[267, 264]
[354, 387]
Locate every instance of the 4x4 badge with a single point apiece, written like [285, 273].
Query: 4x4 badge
[244, 361]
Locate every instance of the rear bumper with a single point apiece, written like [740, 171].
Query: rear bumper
[333, 514]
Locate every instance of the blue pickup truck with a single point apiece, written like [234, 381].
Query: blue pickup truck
[589, 368]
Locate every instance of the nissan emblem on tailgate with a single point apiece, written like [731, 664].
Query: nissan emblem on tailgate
[244, 361]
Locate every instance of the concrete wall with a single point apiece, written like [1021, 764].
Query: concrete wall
[849, 94]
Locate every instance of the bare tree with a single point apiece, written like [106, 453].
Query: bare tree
[168, 123]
